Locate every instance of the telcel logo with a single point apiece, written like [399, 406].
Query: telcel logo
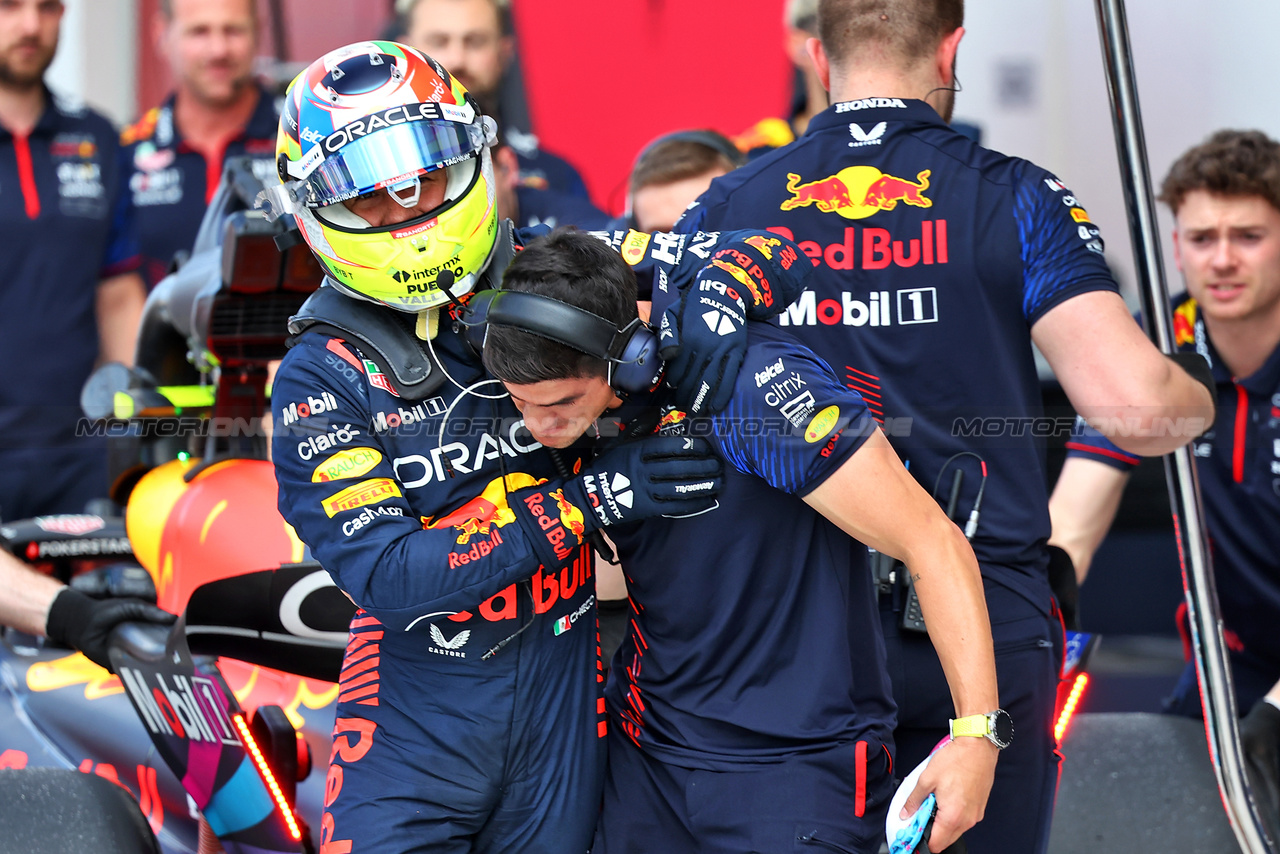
[769, 373]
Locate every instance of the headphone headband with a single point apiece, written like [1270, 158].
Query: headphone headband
[632, 352]
[566, 324]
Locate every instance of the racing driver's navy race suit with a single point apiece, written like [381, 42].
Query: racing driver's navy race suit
[470, 696]
[933, 258]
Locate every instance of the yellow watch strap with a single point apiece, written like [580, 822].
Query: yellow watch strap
[971, 725]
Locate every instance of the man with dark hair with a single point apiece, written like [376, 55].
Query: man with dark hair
[749, 703]
[937, 264]
[217, 110]
[69, 266]
[72, 295]
[1225, 198]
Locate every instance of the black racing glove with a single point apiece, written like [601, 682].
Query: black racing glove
[1260, 742]
[654, 476]
[1196, 366]
[82, 623]
[703, 333]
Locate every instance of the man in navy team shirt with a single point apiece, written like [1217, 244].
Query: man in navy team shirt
[937, 263]
[71, 295]
[749, 703]
[1225, 198]
[217, 110]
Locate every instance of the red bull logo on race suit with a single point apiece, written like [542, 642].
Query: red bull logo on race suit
[857, 192]
[484, 512]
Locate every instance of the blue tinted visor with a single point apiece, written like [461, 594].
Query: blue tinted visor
[391, 155]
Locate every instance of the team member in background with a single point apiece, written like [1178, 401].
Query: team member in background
[1225, 198]
[671, 172]
[217, 110]
[467, 715]
[68, 260]
[473, 39]
[936, 264]
[750, 706]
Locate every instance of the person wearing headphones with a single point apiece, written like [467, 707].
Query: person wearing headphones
[750, 706]
[468, 714]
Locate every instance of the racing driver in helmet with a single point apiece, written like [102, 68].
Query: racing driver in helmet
[469, 714]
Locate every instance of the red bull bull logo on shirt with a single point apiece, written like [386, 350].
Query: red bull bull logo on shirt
[857, 192]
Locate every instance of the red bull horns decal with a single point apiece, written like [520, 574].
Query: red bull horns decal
[482, 515]
[857, 192]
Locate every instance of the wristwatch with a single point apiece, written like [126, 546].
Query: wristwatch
[996, 726]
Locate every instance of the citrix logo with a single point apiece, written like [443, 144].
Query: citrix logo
[313, 406]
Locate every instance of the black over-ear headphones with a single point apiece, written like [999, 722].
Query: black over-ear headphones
[631, 352]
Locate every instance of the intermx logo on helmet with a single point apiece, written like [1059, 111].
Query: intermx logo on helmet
[423, 281]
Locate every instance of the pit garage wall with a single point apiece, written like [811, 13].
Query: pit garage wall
[605, 77]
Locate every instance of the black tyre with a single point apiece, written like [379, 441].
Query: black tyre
[56, 811]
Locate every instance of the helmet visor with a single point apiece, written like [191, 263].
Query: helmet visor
[392, 154]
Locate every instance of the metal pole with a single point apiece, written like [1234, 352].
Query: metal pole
[1212, 665]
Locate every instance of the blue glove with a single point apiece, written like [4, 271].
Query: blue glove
[654, 476]
[703, 333]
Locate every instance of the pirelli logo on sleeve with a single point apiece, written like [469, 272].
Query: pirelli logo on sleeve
[361, 495]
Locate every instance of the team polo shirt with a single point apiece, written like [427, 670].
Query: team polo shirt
[754, 630]
[66, 227]
[933, 258]
[1238, 466]
[171, 184]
